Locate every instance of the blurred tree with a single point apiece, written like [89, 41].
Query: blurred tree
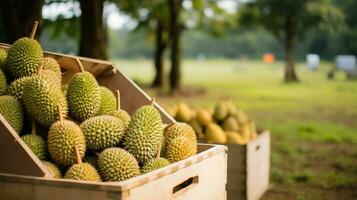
[18, 16]
[289, 21]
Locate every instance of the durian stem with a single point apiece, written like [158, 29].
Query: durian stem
[34, 28]
[118, 100]
[33, 130]
[81, 68]
[152, 102]
[60, 116]
[159, 151]
[78, 157]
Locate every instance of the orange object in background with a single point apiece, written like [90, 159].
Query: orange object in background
[268, 58]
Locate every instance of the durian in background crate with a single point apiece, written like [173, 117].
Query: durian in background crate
[248, 150]
[80, 131]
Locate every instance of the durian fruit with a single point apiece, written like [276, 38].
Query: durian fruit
[180, 148]
[82, 171]
[230, 124]
[179, 129]
[232, 109]
[144, 134]
[41, 98]
[203, 117]
[24, 56]
[241, 117]
[108, 101]
[55, 172]
[116, 164]
[197, 128]
[16, 88]
[64, 89]
[220, 111]
[154, 164]
[245, 130]
[119, 113]
[83, 95]
[102, 132]
[184, 113]
[3, 82]
[214, 134]
[63, 136]
[52, 65]
[234, 138]
[3, 56]
[11, 110]
[36, 143]
[52, 76]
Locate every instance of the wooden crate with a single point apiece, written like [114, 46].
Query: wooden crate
[166, 183]
[249, 168]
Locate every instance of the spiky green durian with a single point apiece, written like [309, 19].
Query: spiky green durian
[144, 134]
[3, 82]
[83, 172]
[24, 56]
[179, 129]
[63, 137]
[108, 101]
[215, 134]
[154, 164]
[52, 65]
[64, 89]
[83, 95]
[41, 98]
[11, 110]
[102, 132]
[36, 144]
[180, 148]
[16, 88]
[221, 111]
[55, 172]
[3, 56]
[116, 164]
[119, 113]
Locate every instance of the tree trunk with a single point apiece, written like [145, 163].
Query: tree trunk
[175, 32]
[290, 75]
[93, 36]
[159, 55]
[18, 17]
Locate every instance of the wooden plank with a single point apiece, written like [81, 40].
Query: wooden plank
[207, 185]
[16, 157]
[258, 166]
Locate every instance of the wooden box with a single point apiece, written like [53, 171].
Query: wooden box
[249, 168]
[203, 176]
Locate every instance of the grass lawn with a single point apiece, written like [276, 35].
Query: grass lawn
[313, 123]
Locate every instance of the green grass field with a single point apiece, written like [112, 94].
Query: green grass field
[313, 123]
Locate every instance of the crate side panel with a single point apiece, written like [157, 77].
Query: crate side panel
[16, 157]
[258, 166]
[236, 185]
[212, 179]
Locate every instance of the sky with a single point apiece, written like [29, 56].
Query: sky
[115, 18]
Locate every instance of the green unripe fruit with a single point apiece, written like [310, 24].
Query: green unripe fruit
[16, 88]
[116, 164]
[52, 65]
[102, 132]
[36, 144]
[108, 101]
[122, 115]
[179, 129]
[83, 96]
[63, 137]
[144, 134]
[82, 172]
[11, 110]
[220, 111]
[180, 148]
[154, 164]
[3, 56]
[24, 57]
[55, 172]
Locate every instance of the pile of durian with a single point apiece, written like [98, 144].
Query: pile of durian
[79, 130]
[225, 123]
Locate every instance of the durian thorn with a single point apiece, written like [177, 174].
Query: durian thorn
[78, 157]
[40, 69]
[81, 68]
[118, 100]
[33, 130]
[34, 28]
[60, 115]
[152, 101]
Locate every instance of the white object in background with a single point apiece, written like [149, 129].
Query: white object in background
[346, 62]
[312, 61]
